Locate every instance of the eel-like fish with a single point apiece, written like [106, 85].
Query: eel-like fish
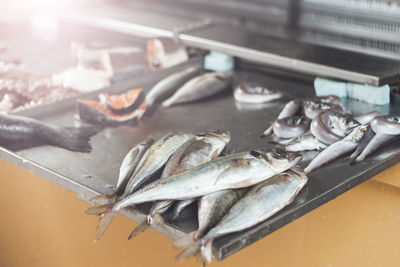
[337, 149]
[389, 125]
[234, 171]
[291, 127]
[290, 109]
[313, 108]
[250, 92]
[259, 204]
[376, 142]
[330, 126]
[202, 86]
[17, 132]
[367, 117]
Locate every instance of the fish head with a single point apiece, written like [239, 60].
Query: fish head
[278, 159]
[357, 133]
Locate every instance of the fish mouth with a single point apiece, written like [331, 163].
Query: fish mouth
[294, 157]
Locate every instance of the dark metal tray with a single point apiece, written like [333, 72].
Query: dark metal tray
[96, 172]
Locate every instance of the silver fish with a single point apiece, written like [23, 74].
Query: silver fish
[290, 109]
[257, 205]
[211, 209]
[339, 148]
[376, 142]
[367, 117]
[128, 166]
[229, 172]
[167, 86]
[195, 151]
[330, 127]
[291, 127]
[250, 92]
[305, 142]
[155, 157]
[389, 125]
[312, 108]
[202, 86]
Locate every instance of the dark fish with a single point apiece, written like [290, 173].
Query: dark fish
[18, 132]
[363, 142]
[200, 87]
[376, 142]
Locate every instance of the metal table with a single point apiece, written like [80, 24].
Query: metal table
[89, 174]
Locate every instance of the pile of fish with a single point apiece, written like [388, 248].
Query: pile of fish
[234, 191]
[322, 124]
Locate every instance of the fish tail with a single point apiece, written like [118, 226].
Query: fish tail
[185, 241]
[194, 250]
[156, 219]
[107, 198]
[104, 222]
[75, 139]
[139, 229]
[98, 210]
[206, 253]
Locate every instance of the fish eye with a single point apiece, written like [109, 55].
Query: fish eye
[280, 151]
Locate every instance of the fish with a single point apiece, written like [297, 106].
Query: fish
[337, 149]
[291, 127]
[305, 142]
[363, 143]
[154, 159]
[312, 108]
[234, 171]
[389, 125]
[195, 151]
[367, 117]
[376, 142]
[250, 92]
[290, 109]
[257, 205]
[18, 132]
[211, 208]
[168, 86]
[330, 126]
[113, 109]
[127, 168]
[202, 86]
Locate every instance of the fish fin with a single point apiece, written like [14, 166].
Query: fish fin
[104, 222]
[108, 198]
[206, 253]
[185, 241]
[75, 139]
[228, 172]
[193, 250]
[98, 210]
[139, 229]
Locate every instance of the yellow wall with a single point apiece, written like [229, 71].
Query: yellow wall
[43, 225]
